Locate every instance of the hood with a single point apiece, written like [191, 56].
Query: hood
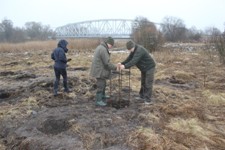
[63, 44]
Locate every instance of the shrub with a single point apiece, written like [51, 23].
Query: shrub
[220, 47]
[145, 33]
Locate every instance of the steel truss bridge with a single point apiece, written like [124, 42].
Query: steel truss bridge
[116, 28]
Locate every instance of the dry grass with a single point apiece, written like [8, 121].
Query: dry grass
[186, 76]
[2, 146]
[75, 45]
[191, 126]
[20, 110]
[88, 138]
[149, 118]
[215, 99]
[27, 46]
[14, 112]
[143, 139]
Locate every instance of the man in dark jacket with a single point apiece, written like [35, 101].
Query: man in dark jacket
[101, 68]
[140, 57]
[59, 56]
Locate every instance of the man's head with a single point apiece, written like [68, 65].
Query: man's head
[110, 41]
[130, 45]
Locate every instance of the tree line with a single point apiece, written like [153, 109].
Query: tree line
[32, 31]
[171, 29]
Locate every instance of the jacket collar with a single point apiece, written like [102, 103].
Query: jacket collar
[135, 48]
[106, 46]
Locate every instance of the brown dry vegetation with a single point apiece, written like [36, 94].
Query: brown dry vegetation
[187, 111]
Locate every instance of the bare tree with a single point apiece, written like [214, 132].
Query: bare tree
[6, 29]
[33, 31]
[173, 29]
[212, 33]
[19, 35]
[220, 46]
[145, 33]
[194, 35]
[216, 41]
[37, 31]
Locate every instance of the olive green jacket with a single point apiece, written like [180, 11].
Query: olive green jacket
[101, 66]
[141, 58]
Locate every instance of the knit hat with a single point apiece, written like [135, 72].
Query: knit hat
[130, 44]
[110, 41]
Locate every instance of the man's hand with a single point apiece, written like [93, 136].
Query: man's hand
[122, 67]
[69, 59]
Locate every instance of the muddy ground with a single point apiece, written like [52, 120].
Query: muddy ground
[187, 111]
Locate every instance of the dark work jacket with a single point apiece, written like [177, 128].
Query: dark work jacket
[141, 58]
[59, 56]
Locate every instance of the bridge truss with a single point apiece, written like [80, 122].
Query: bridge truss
[116, 28]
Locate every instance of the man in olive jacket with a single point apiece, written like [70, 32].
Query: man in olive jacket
[101, 69]
[140, 57]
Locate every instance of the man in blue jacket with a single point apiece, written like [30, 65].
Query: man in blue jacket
[59, 56]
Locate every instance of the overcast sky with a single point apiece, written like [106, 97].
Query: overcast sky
[198, 13]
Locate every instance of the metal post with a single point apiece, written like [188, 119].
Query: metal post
[110, 86]
[119, 82]
[129, 85]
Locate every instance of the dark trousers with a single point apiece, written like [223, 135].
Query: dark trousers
[101, 84]
[147, 79]
[60, 72]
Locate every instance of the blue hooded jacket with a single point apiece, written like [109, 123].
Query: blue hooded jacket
[59, 56]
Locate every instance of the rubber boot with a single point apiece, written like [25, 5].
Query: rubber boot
[98, 100]
[104, 96]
